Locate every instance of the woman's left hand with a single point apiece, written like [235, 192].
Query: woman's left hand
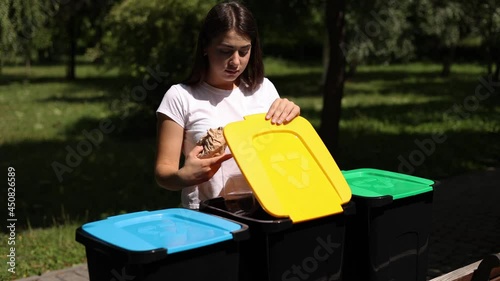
[282, 111]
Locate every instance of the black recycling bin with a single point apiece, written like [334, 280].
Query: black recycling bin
[297, 205]
[299, 197]
[388, 237]
[279, 249]
[171, 244]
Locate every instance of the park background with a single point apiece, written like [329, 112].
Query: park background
[407, 86]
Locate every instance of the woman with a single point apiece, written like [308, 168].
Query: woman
[227, 82]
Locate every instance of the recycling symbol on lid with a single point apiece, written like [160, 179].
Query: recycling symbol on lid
[279, 163]
[160, 229]
[149, 230]
[373, 182]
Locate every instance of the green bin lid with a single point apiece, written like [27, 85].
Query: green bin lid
[367, 182]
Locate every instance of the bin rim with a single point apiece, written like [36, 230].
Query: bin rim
[269, 226]
[134, 257]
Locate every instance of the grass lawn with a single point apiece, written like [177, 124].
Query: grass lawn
[401, 118]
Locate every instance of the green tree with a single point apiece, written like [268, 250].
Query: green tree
[377, 31]
[7, 35]
[68, 27]
[38, 27]
[153, 42]
[291, 29]
[92, 28]
[23, 29]
[159, 33]
[486, 19]
[441, 22]
[358, 33]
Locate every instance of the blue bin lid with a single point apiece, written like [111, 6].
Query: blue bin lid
[174, 229]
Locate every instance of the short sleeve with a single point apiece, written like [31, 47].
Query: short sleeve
[172, 105]
[270, 90]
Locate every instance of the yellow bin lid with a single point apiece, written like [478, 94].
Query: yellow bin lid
[289, 168]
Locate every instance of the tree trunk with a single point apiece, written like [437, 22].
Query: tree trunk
[334, 83]
[325, 59]
[351, 70]
[70, 67]
[27, 66]
[489, 61]
[27, 61]
[496, 76]
[449, 55]
[495, 59]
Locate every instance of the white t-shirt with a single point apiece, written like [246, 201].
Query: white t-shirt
[199, 108]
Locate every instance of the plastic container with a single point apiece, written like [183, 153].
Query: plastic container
[296, 214]
[171, 244]
[279, 249]
[388, 237]
[239, 200]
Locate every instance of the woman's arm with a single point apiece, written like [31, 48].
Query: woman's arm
[169, 148]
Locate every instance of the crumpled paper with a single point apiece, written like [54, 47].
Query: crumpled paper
[213, 142]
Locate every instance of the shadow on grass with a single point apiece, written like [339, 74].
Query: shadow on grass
[433, 113]
[444, 152]
[298, 85]
[430, 156]
[421, 83]
[130, 119]
[393, 75]
[452, 87]
[109, 87]
[129, 125]
[81, 180]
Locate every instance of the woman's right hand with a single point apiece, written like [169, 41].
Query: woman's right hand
[169, 147]
[196, 170]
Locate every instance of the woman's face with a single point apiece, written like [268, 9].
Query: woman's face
[228, 56]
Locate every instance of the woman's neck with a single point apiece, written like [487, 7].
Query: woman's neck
[223, 85]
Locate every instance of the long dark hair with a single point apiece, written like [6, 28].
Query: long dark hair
[222, 18]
